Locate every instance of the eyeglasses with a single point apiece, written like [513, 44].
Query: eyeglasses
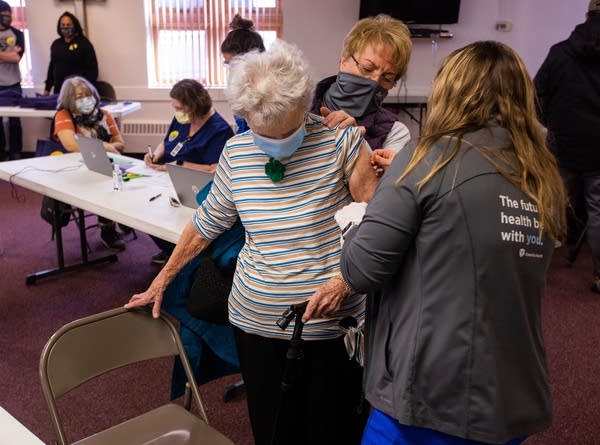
[368, 71]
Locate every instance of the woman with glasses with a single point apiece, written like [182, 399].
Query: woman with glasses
[458, 240]
[375, 56]
[284, 179]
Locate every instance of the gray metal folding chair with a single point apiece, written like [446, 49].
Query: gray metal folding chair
[91, 346]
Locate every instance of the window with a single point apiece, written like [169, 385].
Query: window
[19, 22]
[184, 36]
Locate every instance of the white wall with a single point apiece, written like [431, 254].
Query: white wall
[117, 30]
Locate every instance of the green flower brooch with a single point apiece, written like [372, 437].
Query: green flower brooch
[275, 170]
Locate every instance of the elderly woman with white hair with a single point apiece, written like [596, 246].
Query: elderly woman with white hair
[285, 179]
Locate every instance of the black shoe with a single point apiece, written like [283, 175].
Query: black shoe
[160, 258]
[111, 239]
[125, 229]
[595, 287]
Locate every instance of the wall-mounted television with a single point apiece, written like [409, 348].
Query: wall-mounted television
[432, 12]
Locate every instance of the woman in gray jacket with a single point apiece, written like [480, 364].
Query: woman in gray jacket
[457, 241]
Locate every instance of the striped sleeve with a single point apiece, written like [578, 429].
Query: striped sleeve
[217, 212]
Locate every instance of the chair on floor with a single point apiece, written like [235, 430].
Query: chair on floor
[94, 345]
[106, 91]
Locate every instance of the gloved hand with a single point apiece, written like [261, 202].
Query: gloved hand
[349, 216]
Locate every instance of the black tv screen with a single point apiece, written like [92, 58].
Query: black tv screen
[413, 11]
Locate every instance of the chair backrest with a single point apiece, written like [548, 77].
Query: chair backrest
[93, 345]
[106, 91]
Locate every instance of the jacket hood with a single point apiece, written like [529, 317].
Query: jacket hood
[585, 38]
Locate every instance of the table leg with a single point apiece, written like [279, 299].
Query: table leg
[32, 278]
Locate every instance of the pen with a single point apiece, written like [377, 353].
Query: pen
[150, 152]
[154, 197]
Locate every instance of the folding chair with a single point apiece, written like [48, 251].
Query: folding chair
[91, 346]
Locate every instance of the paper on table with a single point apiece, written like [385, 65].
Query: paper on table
[142, 169]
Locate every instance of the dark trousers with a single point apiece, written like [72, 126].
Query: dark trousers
[163, 245]
[325, 405]
[15, 132]
[584, 187]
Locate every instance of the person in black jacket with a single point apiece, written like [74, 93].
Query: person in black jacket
[72, 54]
[458, 239]
[568, 88]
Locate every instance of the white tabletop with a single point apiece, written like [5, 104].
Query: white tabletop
[117, 109]
[67, 179]
[14, 432]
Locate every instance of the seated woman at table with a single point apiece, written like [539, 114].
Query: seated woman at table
[79, 113]
[197, 134]
[195, 140]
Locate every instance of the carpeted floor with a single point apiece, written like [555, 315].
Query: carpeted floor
[30, 314]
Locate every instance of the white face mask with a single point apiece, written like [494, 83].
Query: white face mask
[182, 118]
[85, 105]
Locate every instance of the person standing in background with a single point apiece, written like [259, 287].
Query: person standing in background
[568, 88]
[12, 45]
[72, 54]
[241, 38]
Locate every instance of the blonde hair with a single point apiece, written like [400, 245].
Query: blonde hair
[477, 83]
[381, 30]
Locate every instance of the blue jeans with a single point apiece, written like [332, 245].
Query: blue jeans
[382, 429]
[15, 132]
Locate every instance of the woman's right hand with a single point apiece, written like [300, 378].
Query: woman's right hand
[381, 159]
[148, 160]
[110, 148]
[152, 295]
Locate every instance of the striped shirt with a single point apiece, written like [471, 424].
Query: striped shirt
[292, 240]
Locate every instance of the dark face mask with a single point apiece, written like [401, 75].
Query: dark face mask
[66, 31]
[5, 21]
[356, 95]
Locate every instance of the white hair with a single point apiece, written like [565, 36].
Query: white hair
[267, 85]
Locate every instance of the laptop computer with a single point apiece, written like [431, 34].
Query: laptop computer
[95, 157]
[187, 183]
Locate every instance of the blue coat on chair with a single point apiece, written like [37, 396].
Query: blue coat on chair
[210, 347]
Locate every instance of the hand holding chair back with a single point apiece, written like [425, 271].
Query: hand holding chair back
[93, 345]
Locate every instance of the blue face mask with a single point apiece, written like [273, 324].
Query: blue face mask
[85, 105]
[280, 148]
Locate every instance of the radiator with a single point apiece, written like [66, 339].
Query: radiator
[144, 128]
[138, 135]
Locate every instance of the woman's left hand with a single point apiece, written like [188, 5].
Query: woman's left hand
[326, 300]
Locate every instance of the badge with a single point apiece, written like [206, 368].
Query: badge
[176, 149]
[173, 135]
[10, 40]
